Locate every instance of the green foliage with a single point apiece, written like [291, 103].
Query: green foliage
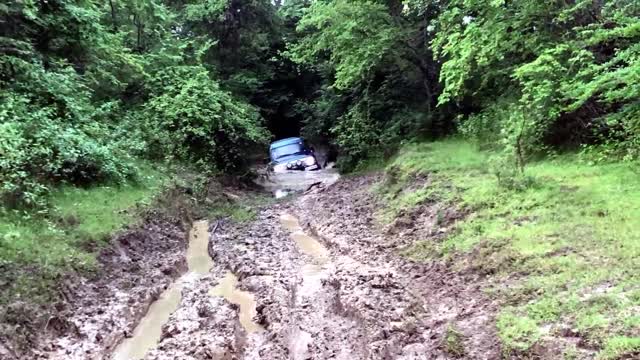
[619, 347]
[570, 70]
[86, 88]
[60, 73]
[357, 35]
[245, 38]
[61, 141]
[377, 83]
[517, 333]
[78, 220]
[193, 119]
[565, 245]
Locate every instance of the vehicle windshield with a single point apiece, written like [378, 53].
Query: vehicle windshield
[290, 149]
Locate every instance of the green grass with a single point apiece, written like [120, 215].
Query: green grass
[571, 234]
[67, 236]
[618, 346]
[453, 342]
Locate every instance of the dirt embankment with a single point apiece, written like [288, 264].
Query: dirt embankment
[95, 311]
[349, 296]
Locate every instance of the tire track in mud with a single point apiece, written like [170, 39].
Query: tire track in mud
[149, 330]
[341, 294]
[297, 301]
[337, 308]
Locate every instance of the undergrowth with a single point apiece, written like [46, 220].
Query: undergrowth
[566, 242]
[67, 235]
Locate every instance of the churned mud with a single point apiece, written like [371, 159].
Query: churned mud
[311, 277]
[317, 278]
[147, 334]
[426, 301]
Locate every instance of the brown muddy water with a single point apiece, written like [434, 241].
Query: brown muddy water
[147, 334]
[227, 289]
[284, 183]
[307, 244]
[312, 272]
[198, 259]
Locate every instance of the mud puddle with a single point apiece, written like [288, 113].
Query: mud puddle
[312, 272]
[198, 259]
[148, 332]
[284, 183]
[307, 244]
[227, 288]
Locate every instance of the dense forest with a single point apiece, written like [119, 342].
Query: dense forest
[88, 87]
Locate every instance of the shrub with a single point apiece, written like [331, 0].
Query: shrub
[46, 144]
[189, 117]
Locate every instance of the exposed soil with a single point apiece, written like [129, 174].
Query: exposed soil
[314, 277]
[359, 301]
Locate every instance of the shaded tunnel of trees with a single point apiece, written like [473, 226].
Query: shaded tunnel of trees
[89, 86]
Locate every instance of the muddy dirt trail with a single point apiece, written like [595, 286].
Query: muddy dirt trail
[314, 277]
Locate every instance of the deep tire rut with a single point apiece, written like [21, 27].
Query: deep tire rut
[363, 302]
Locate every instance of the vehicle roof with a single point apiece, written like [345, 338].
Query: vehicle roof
[283, 142]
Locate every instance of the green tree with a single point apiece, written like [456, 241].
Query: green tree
[377, 74]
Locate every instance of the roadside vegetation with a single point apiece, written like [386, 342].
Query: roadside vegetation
[38, 248]
[560, 247]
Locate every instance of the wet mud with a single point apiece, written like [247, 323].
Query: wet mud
[227, 289]
[286, 183]
[328, 284]
[311, 277]
[149, 329]
[99, 313]
[426, 299]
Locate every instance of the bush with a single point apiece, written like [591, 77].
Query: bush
[190, 118]
[373, 129]
[53, 134]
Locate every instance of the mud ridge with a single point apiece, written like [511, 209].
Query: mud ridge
[98, 313]
[363, 301]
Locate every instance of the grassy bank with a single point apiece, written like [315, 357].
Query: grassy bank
[563, 250]
[40, 245]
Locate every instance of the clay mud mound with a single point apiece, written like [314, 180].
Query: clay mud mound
[96, 313]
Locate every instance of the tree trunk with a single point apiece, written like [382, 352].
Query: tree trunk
[114, 20]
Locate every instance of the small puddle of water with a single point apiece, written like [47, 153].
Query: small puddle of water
[245, 300]
[312, 273]
[198, 259]
[147, 334]
[305, 243]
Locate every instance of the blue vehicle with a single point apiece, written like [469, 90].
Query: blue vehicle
[292, 154]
